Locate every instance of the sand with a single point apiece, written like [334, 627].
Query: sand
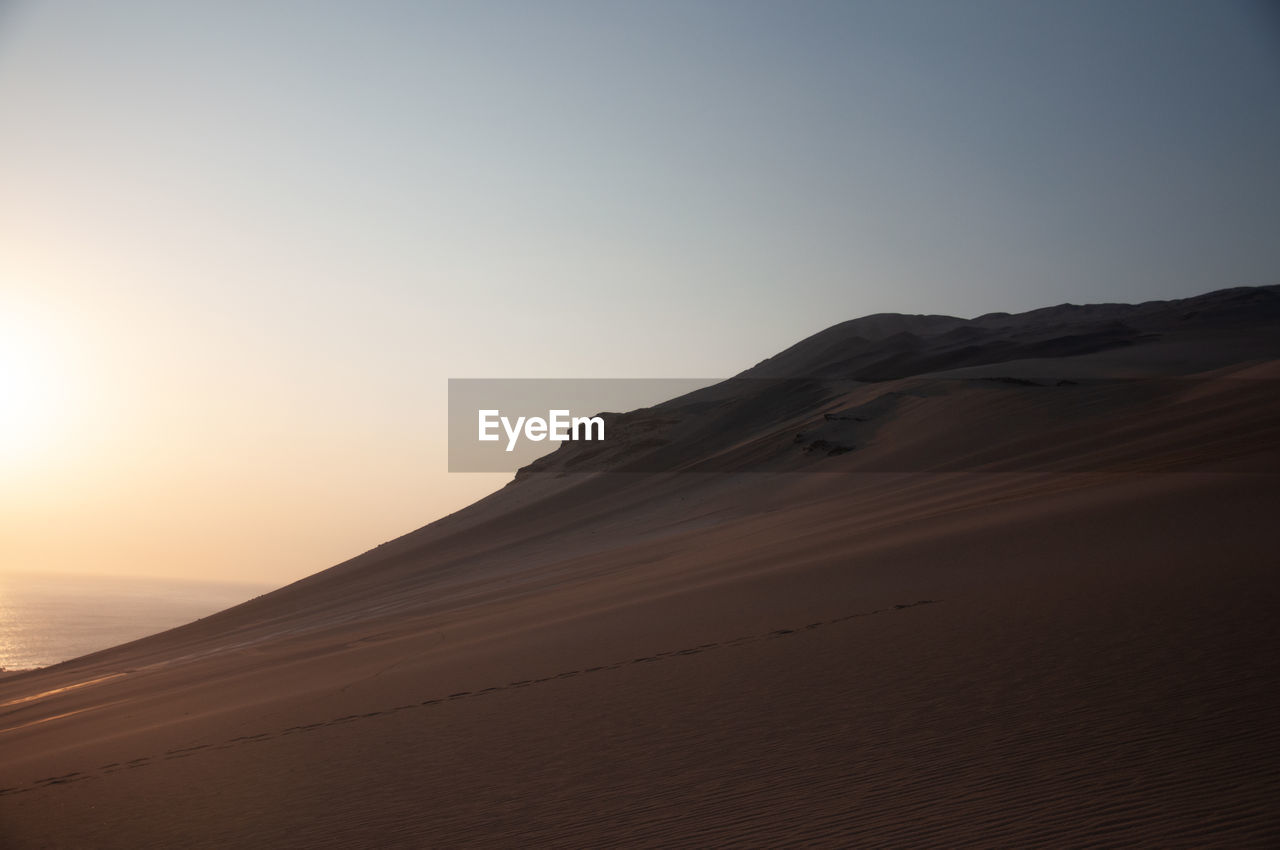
[1015, 613]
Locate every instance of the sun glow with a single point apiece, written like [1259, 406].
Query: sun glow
[34, 391]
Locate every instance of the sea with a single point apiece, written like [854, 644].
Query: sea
[46, 619]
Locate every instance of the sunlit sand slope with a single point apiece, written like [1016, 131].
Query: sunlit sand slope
[1012, 611]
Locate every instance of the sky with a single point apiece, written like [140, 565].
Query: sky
[244, 245]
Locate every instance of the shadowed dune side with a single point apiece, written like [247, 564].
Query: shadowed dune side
[1012, 611]
[851, 378]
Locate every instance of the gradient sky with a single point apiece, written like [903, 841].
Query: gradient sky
[243, 245]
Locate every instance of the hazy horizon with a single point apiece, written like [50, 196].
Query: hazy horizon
[244, 246]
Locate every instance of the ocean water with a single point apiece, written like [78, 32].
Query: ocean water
[45, 619]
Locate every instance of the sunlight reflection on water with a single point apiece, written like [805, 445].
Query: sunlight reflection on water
[45, 619]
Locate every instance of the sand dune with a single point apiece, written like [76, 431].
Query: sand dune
[917, 580]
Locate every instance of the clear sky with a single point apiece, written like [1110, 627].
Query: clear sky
[244, 244]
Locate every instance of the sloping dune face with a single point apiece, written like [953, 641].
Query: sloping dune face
[917, 580]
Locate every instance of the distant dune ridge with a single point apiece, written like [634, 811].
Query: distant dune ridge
[916, 580]
[831, 392]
